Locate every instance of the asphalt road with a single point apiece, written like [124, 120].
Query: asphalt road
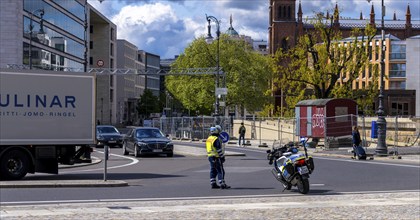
[186, 176]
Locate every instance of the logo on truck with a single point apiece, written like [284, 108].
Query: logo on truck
[37, 105]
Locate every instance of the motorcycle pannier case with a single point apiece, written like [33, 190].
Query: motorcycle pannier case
[310, 163]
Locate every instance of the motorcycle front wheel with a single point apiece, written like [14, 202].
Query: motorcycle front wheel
[303, 186]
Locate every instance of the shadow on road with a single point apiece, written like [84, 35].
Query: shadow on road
[97, 176]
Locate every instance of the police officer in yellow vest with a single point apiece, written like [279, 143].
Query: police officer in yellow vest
[215, 156]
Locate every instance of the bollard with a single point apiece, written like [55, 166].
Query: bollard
[105, 161]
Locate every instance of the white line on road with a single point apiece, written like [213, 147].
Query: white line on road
[195, 198]
[133, 161]
[369, 162]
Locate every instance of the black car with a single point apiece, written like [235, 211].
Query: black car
[108, 134]
[147, 140]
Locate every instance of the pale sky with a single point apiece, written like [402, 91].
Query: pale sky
[166, 27]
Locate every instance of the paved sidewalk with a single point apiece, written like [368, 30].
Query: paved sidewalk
[383, 205]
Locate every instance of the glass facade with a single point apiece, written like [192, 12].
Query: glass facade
[397, 52]
[64, 36]
[70, 46]
[397, 70]
[48, 60]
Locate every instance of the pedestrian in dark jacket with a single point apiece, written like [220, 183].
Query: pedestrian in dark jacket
[356, 139]
[242, 131]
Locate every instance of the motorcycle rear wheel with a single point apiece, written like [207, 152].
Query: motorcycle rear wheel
[303, 186]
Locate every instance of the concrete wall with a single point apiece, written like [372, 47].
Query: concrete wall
[11, 32]
[413, 68]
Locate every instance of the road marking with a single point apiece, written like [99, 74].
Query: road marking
[368, 162]
[133, 161]
[200, 198]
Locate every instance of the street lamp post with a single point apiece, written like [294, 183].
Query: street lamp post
[31, 27]
[381, 148]
[209, 40]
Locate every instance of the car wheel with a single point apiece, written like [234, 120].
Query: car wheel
[170, 154]
[124, 148]
[136, 151]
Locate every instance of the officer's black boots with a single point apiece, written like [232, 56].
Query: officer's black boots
[224, 186]
[215, 186]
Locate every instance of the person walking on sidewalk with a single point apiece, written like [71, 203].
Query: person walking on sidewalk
[242, 131]
[215, 155]
[358, 151]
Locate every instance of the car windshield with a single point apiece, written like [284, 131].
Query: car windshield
[149, 133]
[107, 130]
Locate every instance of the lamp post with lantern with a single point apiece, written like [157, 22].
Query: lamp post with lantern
[381, 148]
[209, 40]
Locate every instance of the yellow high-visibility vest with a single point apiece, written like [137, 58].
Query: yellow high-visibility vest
[211, 150]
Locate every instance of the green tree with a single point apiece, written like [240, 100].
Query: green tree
[248, 75]
[148, 103]
[313, 70]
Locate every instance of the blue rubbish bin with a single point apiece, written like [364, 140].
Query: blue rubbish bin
[374, 130]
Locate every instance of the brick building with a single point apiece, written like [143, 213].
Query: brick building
[287, 24]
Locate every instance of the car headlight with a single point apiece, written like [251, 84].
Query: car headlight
[141, 143]
[100, 138]
[169, 144]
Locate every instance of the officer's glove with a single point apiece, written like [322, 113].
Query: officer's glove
[222, 159]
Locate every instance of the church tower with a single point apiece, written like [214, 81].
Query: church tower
[282, 25]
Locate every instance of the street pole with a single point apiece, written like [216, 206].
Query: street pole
[85, 40]
[31, 27]
[209, 40]
[381, 148]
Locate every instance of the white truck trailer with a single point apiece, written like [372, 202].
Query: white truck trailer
[46, 118]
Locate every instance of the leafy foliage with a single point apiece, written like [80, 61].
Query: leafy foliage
[313, 70]
[148, 104]
[247, 76]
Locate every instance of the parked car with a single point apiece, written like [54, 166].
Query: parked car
[108, 134]
[147, 140]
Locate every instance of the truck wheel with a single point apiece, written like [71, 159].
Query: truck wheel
[14, 165]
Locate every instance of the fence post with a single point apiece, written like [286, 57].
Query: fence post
[260, 131]
[364, 133]
[396, 135]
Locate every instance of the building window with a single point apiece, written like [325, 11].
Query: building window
[111, 95]
[112, 34]
[397, 70]
[90, 44]
[280, 13]
[111, 63]
[397, 85]
[90, 60]
[397, 52]
[399, 108]
[91, 29]
[112, 49]
[284, 44]
[289, 13]
[284, 12]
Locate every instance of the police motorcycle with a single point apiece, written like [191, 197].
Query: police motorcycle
[291, 167]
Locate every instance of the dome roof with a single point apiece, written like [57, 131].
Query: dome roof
[231, 31]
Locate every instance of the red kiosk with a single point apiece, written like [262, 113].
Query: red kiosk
[325, 118]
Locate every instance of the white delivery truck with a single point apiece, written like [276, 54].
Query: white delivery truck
[46, 118]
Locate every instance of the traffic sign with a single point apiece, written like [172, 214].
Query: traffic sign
[224, 136]
[221, 91]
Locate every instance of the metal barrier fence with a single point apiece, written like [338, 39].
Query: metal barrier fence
[401, 132]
